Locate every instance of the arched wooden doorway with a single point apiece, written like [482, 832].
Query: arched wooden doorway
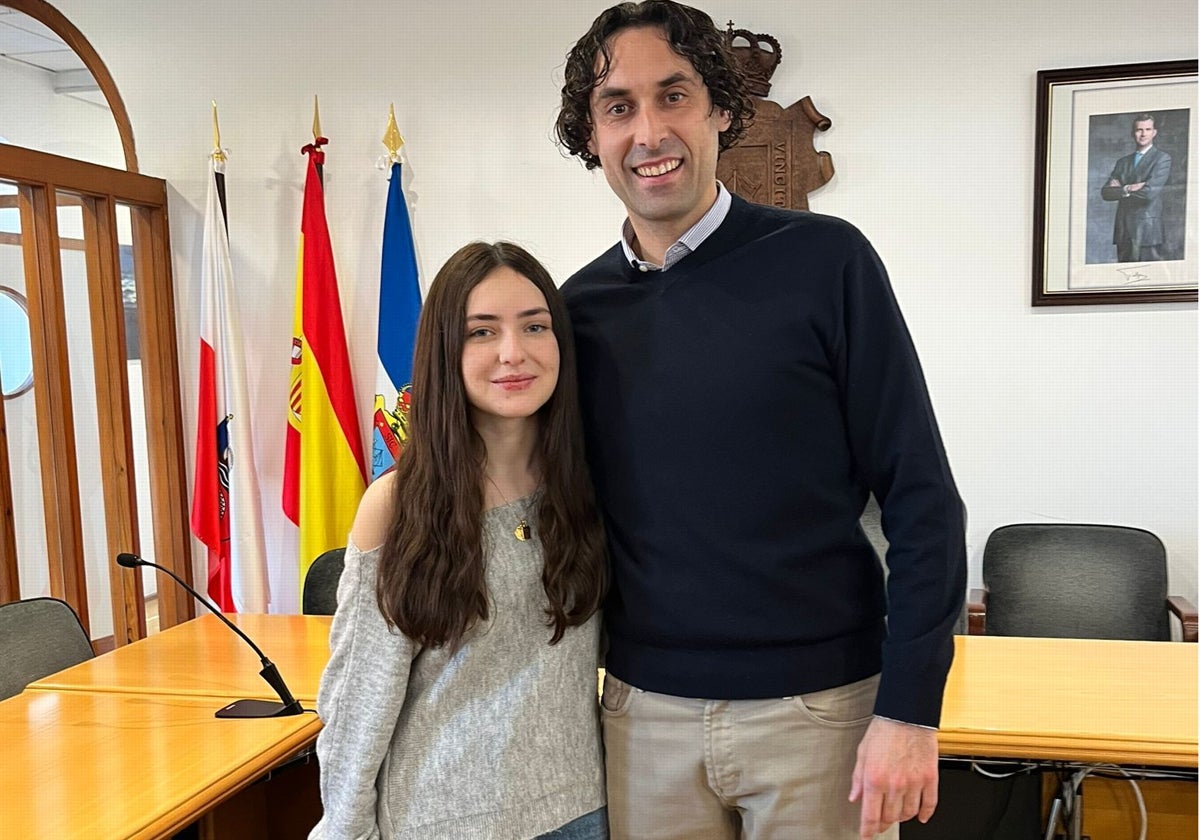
[69, 216]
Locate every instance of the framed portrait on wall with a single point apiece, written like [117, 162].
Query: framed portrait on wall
[1115, 189]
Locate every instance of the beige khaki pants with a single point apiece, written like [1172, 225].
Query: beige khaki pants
[774, 769]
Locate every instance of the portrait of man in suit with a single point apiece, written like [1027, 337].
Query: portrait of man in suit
[1136, 185]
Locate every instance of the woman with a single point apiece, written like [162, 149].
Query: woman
[460, 696]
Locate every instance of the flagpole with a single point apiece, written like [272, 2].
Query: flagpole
[318, 142]
[392, 141]
[218, 154]
[218, 165]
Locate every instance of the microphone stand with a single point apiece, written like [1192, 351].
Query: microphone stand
[238, 708]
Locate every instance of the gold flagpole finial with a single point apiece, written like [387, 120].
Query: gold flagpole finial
[316, 119]
[218, 154]
[392, 140]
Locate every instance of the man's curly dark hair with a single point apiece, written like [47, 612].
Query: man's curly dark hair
[690, 33]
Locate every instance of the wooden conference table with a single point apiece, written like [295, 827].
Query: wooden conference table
[1084, 700]
[126, 745]
[108, 765]
[203, 658]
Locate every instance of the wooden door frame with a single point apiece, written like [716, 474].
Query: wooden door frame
[40, 177]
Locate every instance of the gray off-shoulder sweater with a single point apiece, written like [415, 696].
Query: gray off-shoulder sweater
[500, 741]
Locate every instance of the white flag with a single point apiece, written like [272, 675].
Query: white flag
[226, 508]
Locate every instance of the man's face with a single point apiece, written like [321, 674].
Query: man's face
[1143, 133]
[655, 131]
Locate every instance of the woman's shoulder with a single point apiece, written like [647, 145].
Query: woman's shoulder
[375, 513]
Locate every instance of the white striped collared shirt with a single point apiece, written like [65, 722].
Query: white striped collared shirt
[687, 243]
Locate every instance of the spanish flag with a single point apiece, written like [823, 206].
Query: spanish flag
[324, 472]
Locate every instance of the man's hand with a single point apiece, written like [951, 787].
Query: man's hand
[896, 776]
[1135, 187]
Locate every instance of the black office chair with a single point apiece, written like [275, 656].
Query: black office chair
[38, 637]
[1061, 581]
[321, 583]
[1077, 581]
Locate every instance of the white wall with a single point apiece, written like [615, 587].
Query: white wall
[34, 116]
[1075, 414]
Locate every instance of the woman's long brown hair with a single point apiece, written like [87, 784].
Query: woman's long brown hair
[431, 582]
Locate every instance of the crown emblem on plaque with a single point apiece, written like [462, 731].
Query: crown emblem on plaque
[757, 54]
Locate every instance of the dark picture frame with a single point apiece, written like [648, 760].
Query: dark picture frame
[1083, 252]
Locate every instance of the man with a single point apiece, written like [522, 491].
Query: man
[1136, 183]
[747, 379]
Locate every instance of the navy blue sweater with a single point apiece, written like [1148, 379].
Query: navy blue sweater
[738, 409]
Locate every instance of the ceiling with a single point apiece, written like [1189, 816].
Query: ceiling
[31, 42]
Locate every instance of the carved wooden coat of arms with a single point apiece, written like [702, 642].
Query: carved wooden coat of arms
[775, 163]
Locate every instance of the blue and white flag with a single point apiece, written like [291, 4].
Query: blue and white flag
[399, 307]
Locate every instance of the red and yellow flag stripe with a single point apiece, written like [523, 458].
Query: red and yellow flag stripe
[324, 468]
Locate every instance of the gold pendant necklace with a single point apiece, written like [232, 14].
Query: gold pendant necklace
[522, 532]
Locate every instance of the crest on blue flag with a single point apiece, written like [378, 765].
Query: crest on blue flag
[390, 431]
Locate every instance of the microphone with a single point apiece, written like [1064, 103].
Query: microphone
[238, 708]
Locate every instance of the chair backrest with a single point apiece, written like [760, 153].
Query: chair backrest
[321, 583]
[1076, 581]
[38, 637]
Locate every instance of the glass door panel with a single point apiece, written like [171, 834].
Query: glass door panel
[20, 414]
[86, 404]
[137, 413]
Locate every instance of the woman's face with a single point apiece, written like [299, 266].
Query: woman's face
[510, 353]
